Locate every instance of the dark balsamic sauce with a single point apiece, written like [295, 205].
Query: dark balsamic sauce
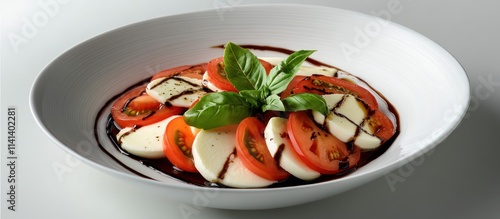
[163, 166]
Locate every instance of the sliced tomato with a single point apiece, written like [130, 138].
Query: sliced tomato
[267, 66]
[319, 150]
[177, 143]
[194, 71]
[136, 108]
[383, 126]
[218, 76]
[321, 84]
[289, 89]
[252, 150]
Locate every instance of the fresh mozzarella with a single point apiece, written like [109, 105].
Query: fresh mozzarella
[237, 175]
[145, 141]
[279, 144]
[194, 130]
[272, 60]
[341, 127]
[313, 70]
[367, 141]
[211, 149]
[347, 115]
[206, 83]
[331, 102]
[176, 91]
[214, 154]
[304, 70]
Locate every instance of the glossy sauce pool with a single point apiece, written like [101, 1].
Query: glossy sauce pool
[163, 165]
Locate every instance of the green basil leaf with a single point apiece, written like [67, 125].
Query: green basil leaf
[306, 101]
[264, 92]
[218, 109]
[243, 68]
[252, 96]
[281, 75]
[273, 102]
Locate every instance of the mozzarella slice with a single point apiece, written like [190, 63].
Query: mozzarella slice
[346, 121]
[343, 128]
[279, 144]
[367, 141]
[145, 141]
[331, 102]
[206, 83]
[313, 70]
[214, 154]
[194, 130]
[272, 60]
[304, 70]
[176, 91]
[237, 175]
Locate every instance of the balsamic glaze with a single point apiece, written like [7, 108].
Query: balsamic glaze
[164, 166]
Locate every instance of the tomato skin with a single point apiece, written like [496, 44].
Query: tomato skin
[217, 76]
[140, 102]
[251, 146]
[177, 143]
[319, 150]
[289, 89]
[194, 71]
[267, 66]
[321, 84]
[384, 128]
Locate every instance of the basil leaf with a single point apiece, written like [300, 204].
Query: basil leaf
[218, 109]
[281, 75]
[264, 93]
[243, 68]
[273, 102]
[306, 101]
[252, 96]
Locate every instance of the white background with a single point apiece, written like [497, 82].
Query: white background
[459, 179]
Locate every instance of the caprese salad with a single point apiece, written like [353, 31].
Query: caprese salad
[243, 121]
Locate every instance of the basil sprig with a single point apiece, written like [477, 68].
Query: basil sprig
[258, 92]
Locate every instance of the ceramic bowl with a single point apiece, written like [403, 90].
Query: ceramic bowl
[426, 85]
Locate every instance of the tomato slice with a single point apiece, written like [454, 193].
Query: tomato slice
[383, 126]
[177, 143]
[136, 108]
[193, 71]
[267, 66]
[319, 150]
[289, 89]
[218, 77]
[321, 84]
[252, 149]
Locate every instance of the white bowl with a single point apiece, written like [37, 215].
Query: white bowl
[428, 87]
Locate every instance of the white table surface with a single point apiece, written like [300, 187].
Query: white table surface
[459, 179]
